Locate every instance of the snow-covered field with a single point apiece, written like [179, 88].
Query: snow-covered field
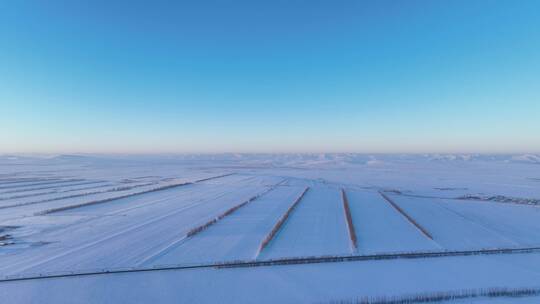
[191, 228]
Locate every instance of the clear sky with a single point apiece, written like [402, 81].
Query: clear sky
[269, 76]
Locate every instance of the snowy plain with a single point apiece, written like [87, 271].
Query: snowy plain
[169, 229]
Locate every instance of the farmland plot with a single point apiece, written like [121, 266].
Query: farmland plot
[56, 186]
[38, 206]
[13, 187]
[380, 228]
[450, 229]
[49, 195]
[237, 236]
[168, 196]
[67, 201]
[316, 227]
[519, 223]
[129, 238]
[60, 189]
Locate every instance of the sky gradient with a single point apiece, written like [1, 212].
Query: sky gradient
[269, 76]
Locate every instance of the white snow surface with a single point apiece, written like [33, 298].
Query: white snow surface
[80, 213]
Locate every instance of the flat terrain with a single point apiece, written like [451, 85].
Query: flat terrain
[269, 228]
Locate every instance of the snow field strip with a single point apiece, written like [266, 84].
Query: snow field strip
[316, 227]
[315, 283]
[55, 186]
[143, 243]
[139, 202]
[26, 195]
[206, 225]
[277, 227]
[407, 216]
[114, 209]
[41, 183]
[46, 199]
[480, 225]
[235, 237]
[517, 224]
[173, 249]
[106, 200]
[27, 183]
[26, 180]
[106, 237]
[453, 230]
[177, 241]
[156, 240]
[116, 188]
[380, 229]
[164, 246]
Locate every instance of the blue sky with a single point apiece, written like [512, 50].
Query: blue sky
[269, 76]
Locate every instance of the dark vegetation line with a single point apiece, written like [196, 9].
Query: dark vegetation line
[51, 187]
[444, 296]
[17, 177]
[230, 211]
[501, 199]
[41, 183]
[106, 200]
[477, 197]
[52, 199]
[212, 177]
[375, 257]
[12, 178]
[26, 180]
[408, 217]
[348, 217]
[277, 227]
[55, 191]
[275, 262]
